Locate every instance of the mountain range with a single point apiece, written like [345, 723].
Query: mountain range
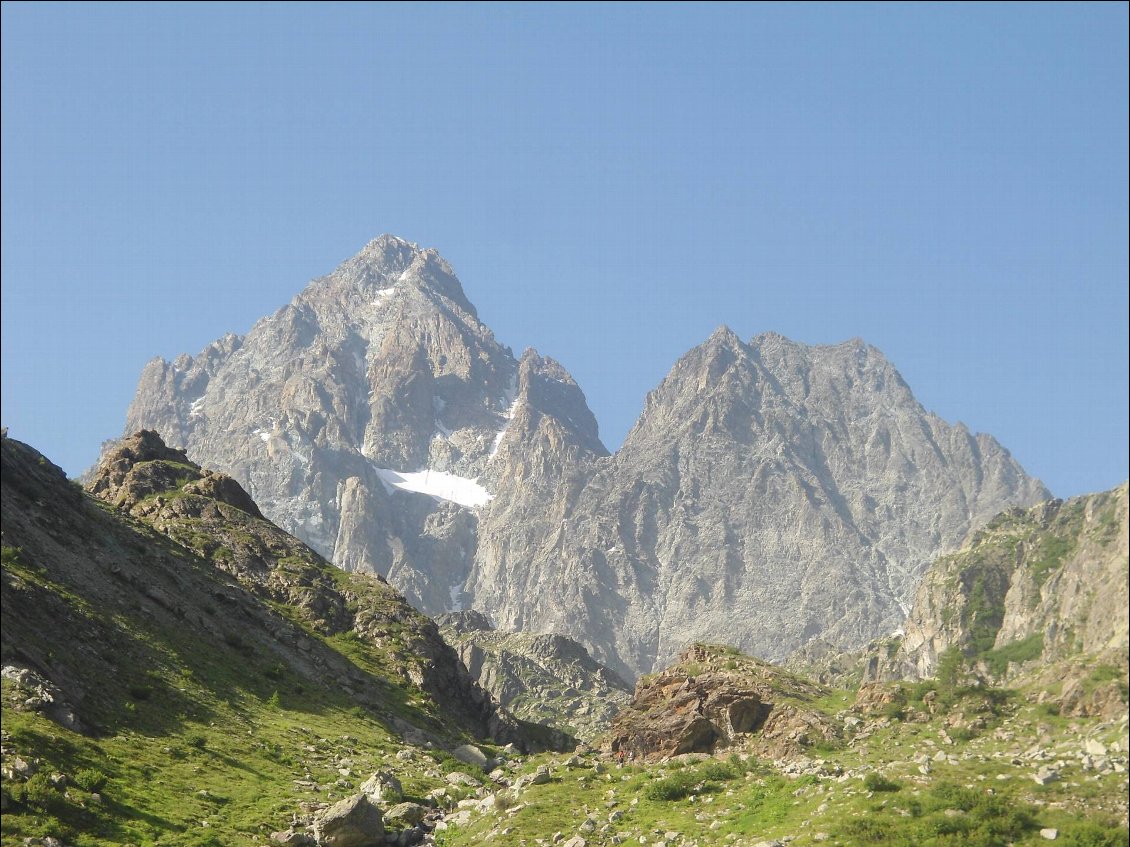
[770, 492]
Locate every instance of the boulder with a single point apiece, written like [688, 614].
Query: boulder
[405, 815]
[383, 787]
[353, 822]
[469, 754]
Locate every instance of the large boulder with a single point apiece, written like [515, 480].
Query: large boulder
[352, 822]
[713, 697]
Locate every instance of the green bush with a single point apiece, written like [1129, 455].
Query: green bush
[1021, 651]
[674, 787]
[90, 779]
[868, 830]
[1094, 834]
[38, 793]
[877, 782]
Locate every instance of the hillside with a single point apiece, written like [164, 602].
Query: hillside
[178, 670]
[1034, 588]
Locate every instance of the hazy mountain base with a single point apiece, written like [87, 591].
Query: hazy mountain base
[547, 679]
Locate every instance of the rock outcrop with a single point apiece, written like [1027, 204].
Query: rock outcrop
[770, 492]
[546, 679]
[713, 698]
[1033, 587]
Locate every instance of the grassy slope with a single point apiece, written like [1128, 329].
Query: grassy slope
[976, 796]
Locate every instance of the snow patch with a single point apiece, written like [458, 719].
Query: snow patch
[384, 293]
[456, 593]
[512, 396]
[197, 408]
[439, 484]
[263, 436]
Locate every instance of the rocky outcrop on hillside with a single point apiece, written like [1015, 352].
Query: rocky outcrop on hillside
[1034, 586]
[770, 492]
[713, 698]
[179, 553]
[546, 679]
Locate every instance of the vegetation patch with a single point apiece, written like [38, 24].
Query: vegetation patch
[999, 658]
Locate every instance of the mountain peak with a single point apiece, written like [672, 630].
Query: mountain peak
[724, 335]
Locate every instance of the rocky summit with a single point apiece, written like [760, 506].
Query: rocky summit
[770, 492]
[375, 417]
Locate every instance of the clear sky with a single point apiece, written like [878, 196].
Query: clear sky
[610, 182]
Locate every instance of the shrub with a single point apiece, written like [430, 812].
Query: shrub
[1094, 834]
[140, 692]
[38, 793]
[1021, 651]
[674, 787]
[877, 782]
[868, 830]
[718, 771]
[90, 779]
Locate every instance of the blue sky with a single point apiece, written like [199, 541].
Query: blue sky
[610, 182]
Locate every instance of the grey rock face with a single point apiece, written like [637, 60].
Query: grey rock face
[769, 493]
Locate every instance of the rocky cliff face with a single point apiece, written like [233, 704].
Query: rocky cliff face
[546, 679]
[769, 493]
[1037, 585]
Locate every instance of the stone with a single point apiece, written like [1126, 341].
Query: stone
[460, 818]
[711, 698]
[1049, 833]
[1046, 776]
[460, 778]
[292, 838]
[353, 822]
[405, 814]
[383, 788]
[1095, 747]
[469, 754]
